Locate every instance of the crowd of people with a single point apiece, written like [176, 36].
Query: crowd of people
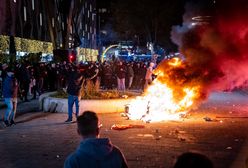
[37, 78]
[22, 79]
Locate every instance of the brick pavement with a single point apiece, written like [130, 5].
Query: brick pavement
[42, 139]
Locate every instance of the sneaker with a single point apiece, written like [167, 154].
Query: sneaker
[68, 121]
[6, 122]
[12, 122]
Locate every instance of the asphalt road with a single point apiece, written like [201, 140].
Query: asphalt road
[42, 140]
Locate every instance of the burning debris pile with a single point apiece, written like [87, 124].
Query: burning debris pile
[215, 57]
[170, 95]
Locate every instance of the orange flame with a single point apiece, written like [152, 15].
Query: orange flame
[163, 100]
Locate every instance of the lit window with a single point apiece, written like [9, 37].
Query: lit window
[25, 13]
[15, 1]
[90, 29]
[88, 36]
[83, 33]
[33, 4]
[80, 26]
[86, 27]
[53, 22]
[90, 8]
[104, 10]
[40, 19]
[93, 17]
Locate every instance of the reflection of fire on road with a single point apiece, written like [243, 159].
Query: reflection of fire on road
[165, 99]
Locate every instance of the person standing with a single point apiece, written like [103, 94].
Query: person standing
[24, 78]
[3, 74]
[75, 80]
[107, 76]
[94, 151]
[10, 90]
[130, 74]
[121, 74]
[148, 77]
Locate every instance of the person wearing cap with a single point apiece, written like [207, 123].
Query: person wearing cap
[10, 90]
[94, 151]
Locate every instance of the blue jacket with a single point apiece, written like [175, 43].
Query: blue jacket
[10, 86]
[96, 153]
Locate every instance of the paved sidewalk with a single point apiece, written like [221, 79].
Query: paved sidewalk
[43, 140]
[22, 108]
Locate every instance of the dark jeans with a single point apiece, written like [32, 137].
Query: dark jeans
[71, 100]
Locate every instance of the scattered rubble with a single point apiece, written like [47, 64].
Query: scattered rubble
[125, 126]
[208, 119]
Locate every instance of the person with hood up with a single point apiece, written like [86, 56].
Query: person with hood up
[94, 152]
[10, 90]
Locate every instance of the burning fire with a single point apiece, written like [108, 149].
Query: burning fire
[165, 99]
[215, 59]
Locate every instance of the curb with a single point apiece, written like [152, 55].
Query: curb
[51, 104]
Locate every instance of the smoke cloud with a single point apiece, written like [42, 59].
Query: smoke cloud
[216, 50]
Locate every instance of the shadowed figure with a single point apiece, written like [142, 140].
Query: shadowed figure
[193, 160]
[94, 151]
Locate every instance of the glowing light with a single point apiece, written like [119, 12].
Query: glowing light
[175, 62]
[106, 50]
[161, 101]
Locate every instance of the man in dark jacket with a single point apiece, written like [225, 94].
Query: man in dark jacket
[94, 151]
[121, 73]
[75, 80]
[10, 89]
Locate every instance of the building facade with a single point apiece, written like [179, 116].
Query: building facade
[68, 24]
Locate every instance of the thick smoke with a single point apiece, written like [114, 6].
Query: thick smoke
[216, 53]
